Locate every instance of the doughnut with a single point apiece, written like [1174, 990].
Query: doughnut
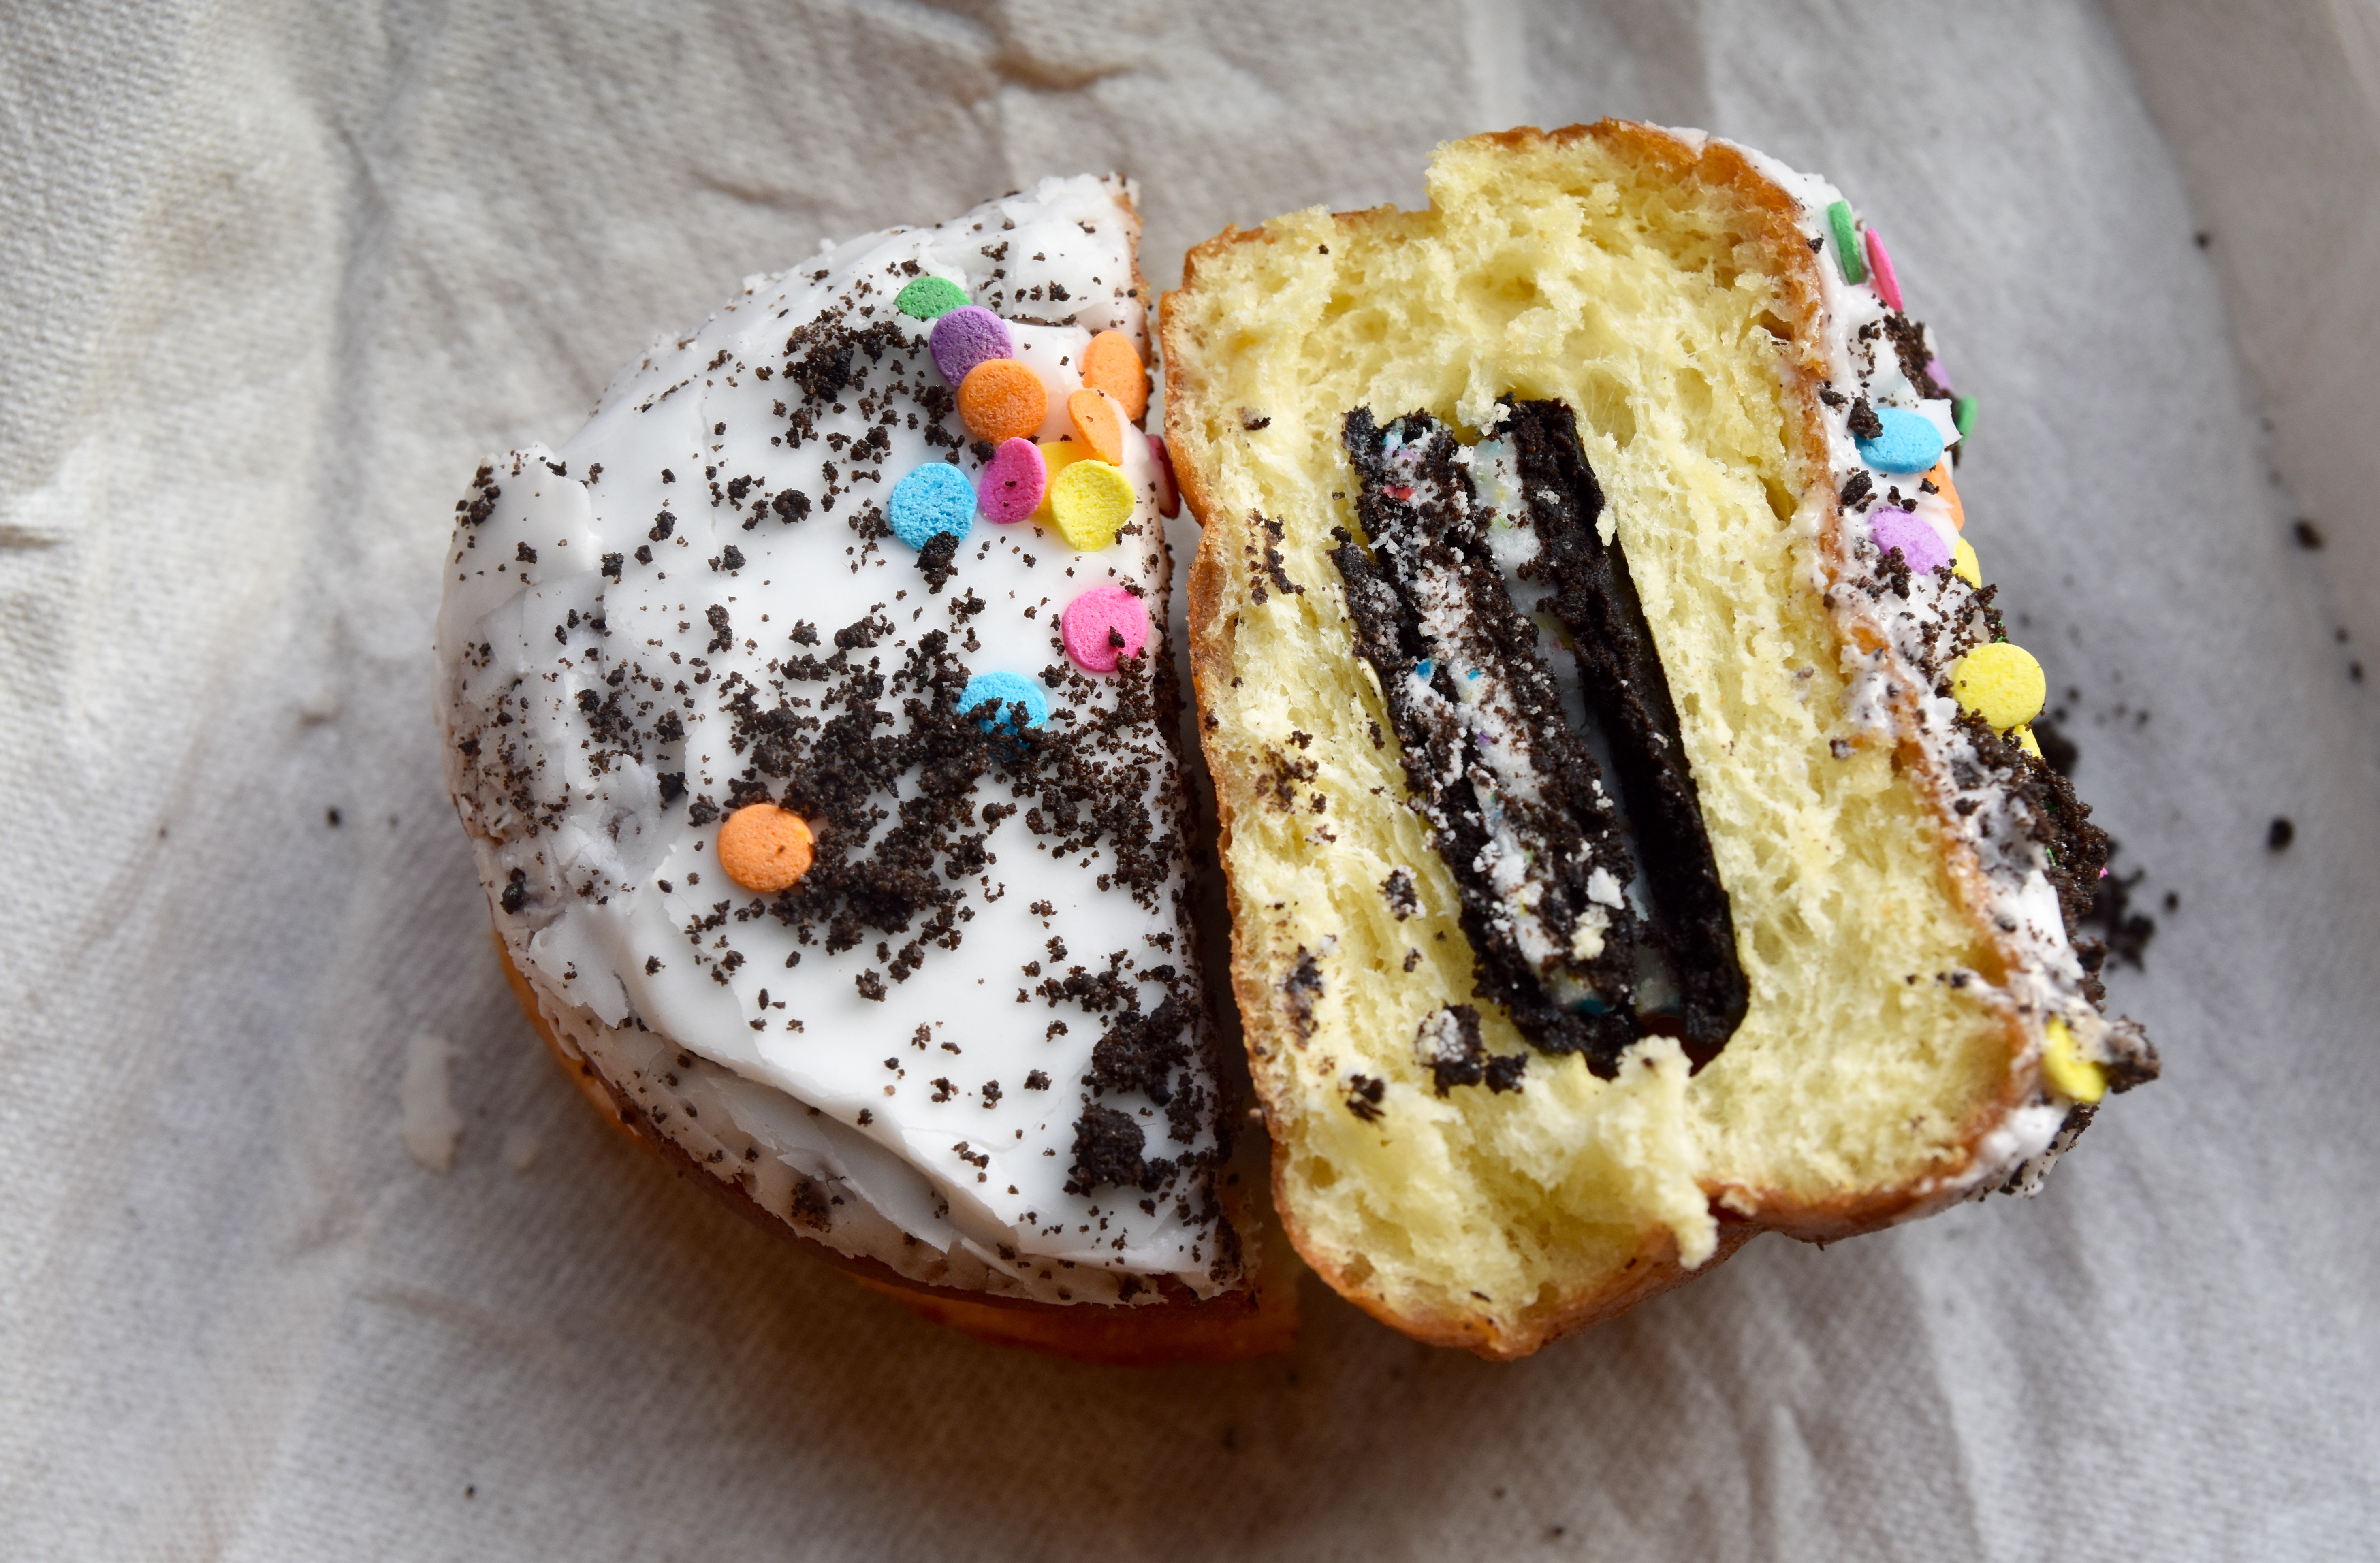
[822, 779]
[1634, 837]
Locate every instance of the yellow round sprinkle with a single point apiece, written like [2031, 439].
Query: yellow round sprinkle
[2068, 1070]
[1056, 456]
[1092, 500]
[2026, 741]
[2001, 683]
[1964, 564]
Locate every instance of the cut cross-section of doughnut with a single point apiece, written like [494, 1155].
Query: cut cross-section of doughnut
[1614, 871]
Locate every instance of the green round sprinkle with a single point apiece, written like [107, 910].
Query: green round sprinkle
[1963, 413]
[931, 297]
[1847, 242]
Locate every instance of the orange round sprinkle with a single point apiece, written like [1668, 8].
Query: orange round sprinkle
[764, 848]
[1112, 364]
[1001, 399]
[1940, 477]
[1097, 425]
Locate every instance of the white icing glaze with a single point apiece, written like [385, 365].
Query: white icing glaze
[913, 1095]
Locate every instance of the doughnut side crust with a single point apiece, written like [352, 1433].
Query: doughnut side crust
[1260, 1321]
[1904, 969]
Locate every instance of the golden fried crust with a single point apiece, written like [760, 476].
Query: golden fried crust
[1256, 980]
[1234, 1327]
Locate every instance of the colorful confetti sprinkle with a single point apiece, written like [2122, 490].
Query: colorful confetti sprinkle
[1014, 482]
[1940, 477]
[1112, 364]
[1847, 242]
[1096, 425]
[1001, 399]
[1008, 689]
[1056, 457]
[1879, 261]
[1103, 626]
[966, 336]
[929, 298]
[764, 848]
[1907, 443]
[1168, 494]
[2001, 683]
[1912, 536]
[2062, 1061]
[1091, 501]
[931, 499]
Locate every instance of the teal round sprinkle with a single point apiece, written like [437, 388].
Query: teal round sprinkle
[929, 298]
[1907, 443]
[934, 498]
[1847, 242]
[1963, 414]
[1009, 690]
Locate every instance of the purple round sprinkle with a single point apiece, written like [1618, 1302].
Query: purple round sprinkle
[966, 336]
[1917, 540]
[1938, 375]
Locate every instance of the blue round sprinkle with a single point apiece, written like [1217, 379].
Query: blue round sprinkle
[934, 498]
[1906, 444]
[1008, 688]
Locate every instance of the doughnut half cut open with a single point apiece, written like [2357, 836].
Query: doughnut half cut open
[1629, 852]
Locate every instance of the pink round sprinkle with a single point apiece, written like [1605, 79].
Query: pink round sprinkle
[1880, 263]
[1168, 500]
[1919, 544]
[1103, 626]
[1013, 483]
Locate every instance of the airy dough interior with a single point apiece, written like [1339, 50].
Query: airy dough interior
[1569, 271]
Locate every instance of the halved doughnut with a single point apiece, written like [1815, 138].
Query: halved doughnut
[1614, 872]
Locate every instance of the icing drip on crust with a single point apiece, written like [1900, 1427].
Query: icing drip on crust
[1514, 798]
[2031, 856]
[969, 1041]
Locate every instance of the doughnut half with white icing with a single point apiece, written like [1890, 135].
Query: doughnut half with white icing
[1634, 835]
[810, 714]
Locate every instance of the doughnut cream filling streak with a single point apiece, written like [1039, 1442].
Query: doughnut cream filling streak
[871, 564]
[1485, 575]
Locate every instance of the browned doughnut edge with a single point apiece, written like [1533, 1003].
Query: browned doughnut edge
[1260, 1322]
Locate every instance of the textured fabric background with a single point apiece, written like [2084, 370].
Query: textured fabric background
[274, 277]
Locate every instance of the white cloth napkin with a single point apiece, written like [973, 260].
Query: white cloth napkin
[307, 1251]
